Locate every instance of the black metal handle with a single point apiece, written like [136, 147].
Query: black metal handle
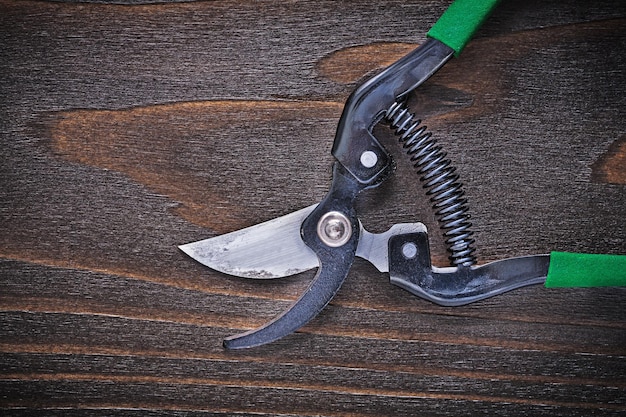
[410, 268]
[368, 104]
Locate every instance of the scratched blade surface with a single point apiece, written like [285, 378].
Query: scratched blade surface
[272, 249]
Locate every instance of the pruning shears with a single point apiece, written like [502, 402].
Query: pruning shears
[329, 235]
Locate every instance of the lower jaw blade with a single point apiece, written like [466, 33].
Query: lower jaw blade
[322, 289]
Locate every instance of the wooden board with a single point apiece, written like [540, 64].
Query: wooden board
[130, 128]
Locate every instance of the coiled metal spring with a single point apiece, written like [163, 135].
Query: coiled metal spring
[440, 180]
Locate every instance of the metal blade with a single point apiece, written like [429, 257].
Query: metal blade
[374, 246]
[272, 249]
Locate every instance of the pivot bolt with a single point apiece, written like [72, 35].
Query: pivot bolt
[334, 229]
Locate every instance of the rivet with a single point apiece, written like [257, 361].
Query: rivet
[409, 250]
[369, 159]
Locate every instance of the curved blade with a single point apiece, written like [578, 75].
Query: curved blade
[335, 262]
[268, 250]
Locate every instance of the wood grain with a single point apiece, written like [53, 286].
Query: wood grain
[130, 128]
[610, 166]
[200, 134]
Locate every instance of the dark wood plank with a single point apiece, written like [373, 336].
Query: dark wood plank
[128, 129]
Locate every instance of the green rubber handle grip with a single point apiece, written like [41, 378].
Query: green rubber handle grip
[460, 21]
[585, 270]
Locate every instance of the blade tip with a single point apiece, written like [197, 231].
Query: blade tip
[186, 248]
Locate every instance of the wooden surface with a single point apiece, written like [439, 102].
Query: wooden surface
[130, 128]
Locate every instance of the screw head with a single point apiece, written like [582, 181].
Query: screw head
[334, 229]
